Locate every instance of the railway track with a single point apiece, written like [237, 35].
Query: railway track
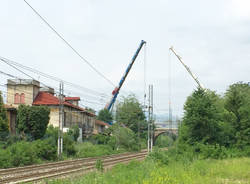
[35, 173]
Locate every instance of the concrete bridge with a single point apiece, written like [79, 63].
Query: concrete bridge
[160, 131]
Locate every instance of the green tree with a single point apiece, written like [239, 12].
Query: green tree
[202, 118]
[32, 120]
[3, 119]
[74, 132]
[123, 138]
[237, 103]
[105, 115]
[130, 113]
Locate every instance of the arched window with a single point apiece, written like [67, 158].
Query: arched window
[22, 98]
[17, 98]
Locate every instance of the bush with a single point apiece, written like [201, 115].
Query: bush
[21, 153]
[74, 132]
[211, 151]
[4, 159]
[125, 138]
[68, 145]
[100, 139]
[88, 149]
[25, 153]
[32, 120]
[44, 149]
[164, 141]
[159, 156]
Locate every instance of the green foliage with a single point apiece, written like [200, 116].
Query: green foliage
[51, 136]
[159, 156]
[99, 165]
[32, 120]
[4, 128]
[44, 149]
[237, 103]
[130, 113]
[148, 172]
[165, 140]
[100, 139]
[68, 145]
[125, 138]
[201, 118]
[88, 149]
[74, 132]
[25, 153]
[105, 115]
[21, 154]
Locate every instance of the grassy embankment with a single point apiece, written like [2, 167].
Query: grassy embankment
[228, 171]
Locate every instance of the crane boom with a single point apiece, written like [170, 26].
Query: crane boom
[187, 68]
[117, 89]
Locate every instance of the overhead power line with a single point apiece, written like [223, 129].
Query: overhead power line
[69, 45]
[84, 96]
[9, 75]
[20, 71]
[10, 63]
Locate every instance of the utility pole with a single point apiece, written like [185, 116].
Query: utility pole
[150, 119]
[61, 120]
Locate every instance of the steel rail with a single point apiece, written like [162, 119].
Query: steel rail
[39, 172]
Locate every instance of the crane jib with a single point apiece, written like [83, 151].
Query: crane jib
[117, 89]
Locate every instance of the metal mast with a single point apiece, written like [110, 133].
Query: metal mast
[61, 120]
[150, 119]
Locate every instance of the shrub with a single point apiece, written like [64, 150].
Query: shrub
[44, 149]
[164, 141]
[52, 135]
[4, 159]
[211, 151]
[125, 138]
[100, 139]
[159, 156]
[68, 145]
[21, 153]
[88, 149]
[4, 128]
[74, 132]
[32, 120]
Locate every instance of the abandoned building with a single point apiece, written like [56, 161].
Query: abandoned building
[29, 92]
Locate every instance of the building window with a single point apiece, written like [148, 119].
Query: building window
[17, 98]
[22, 98]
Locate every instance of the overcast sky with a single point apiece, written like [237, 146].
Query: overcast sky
[213, 38]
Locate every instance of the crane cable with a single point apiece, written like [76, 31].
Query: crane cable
[170, 90]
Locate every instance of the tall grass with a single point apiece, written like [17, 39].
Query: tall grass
[88, 149]
[229, 171]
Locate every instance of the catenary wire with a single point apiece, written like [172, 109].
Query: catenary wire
[8, 61]
[69, 45]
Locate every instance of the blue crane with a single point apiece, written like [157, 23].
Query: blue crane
[117, 89]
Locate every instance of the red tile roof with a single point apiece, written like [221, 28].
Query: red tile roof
[98, 122]
[45, 98]
[72, 98]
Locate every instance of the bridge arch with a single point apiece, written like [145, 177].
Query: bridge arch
[160, 131]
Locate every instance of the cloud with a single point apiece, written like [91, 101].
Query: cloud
[211, 36]
[240, 9]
